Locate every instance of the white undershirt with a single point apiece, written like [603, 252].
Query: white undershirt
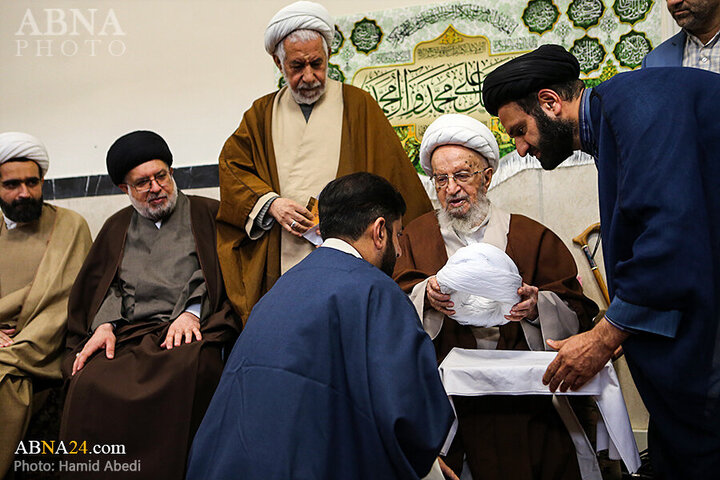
[9, 223]
[341, 245]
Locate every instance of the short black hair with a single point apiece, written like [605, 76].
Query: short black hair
[569, 90]
[348, 204]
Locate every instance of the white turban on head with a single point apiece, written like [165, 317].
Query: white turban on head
[457, 129]
[299, 16]
[21, 145]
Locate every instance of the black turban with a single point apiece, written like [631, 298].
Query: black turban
[134, 149]
[545, 66]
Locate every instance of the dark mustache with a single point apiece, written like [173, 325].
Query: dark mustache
[23, 201]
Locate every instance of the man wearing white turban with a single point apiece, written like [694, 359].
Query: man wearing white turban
[500, 437]
[42, 248]
[290, 144]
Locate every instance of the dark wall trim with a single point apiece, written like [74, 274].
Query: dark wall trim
[202, 176]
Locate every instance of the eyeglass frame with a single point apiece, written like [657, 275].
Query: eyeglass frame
[456, 180]
[150, 180]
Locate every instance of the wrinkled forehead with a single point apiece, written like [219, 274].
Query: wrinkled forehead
[306, 49]
[455, 158]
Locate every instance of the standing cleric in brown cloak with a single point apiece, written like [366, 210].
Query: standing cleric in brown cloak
[289, 145]
[151, 295]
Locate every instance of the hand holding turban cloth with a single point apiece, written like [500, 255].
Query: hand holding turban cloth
[482, 282]
[541, 68]
[134, 149]
[457, 129]
[21, 145]
[299, 16]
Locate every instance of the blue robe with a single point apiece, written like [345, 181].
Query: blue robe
[332, 378]
[657, 133]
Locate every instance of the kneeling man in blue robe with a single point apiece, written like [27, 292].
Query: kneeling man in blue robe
[333, 376]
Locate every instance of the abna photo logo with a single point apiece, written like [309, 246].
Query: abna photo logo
[69, 32]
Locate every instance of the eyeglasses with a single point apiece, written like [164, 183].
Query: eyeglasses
[145, 184]
[442, 180]
[13, 184]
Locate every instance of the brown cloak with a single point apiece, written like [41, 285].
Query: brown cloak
[504, 437]
[248, 171]
[149, 399]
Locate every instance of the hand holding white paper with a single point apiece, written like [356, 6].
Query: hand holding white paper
[482, 282]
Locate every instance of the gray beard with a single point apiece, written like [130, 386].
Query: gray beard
[156, 213]
[302, 96]
[464, 224]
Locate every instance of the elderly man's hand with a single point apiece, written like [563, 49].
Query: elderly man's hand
[581, 356]
[103, 337]
[292, 216]
[5, 339]
[527, 306]
[438, 300]
[186, 325]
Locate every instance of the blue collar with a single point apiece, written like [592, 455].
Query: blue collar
[587, 136]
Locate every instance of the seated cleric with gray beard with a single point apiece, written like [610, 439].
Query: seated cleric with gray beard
[149, 318]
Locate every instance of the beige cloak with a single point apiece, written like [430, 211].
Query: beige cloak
[40, 313]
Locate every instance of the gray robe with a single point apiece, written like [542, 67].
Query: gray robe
[152, 281]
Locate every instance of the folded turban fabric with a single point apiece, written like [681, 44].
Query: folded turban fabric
[482, 282]
[299, 16]
[541, 68]
[21, 145]
[134, 149]
[457, 129]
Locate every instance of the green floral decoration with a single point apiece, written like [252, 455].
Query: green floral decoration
[540, 15]
[585, 13]
[338, 41]
[366, 35]
[589, 53]
[632, 11]
[632, 48]
[608, 71]
[410, 145]
[335, 73]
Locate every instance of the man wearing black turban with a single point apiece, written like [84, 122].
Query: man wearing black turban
[655, 136]
[150, 294]
[553, 68]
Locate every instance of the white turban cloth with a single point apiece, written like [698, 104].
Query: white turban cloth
[482, 282]
[299, 16]
[458, 129]
[21, 145]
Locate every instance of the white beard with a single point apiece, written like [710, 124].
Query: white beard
[465, 223]
[156, 213]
